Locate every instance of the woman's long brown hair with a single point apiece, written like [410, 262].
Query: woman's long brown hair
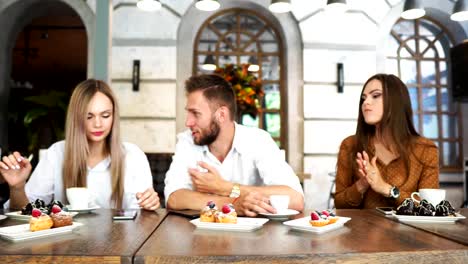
[75, 169]
[397, 119]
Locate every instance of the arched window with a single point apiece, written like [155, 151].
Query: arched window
[237, 36]
[418, 52]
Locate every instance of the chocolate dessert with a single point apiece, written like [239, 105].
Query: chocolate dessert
[406, 208]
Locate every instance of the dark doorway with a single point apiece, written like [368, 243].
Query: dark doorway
[49, 60]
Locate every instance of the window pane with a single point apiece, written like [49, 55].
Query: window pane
[404, 28]
[430, 127]
[443, 72]
[273, 124]
[445, 99]
[429, 53]
[428, 72]
[270, 68]
[416, 123]
[449, 126]
[429, 98]
[247, 120]
[408, 71]
[451, 154]
[413, 92]
[272, 97]
[440, 50]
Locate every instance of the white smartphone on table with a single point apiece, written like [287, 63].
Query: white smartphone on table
[385, 210]
[124, 214]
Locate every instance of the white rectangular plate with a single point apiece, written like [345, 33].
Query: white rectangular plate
[244, 224]
[18, 216]
[303, 224]
[428, 219]
[21, 232]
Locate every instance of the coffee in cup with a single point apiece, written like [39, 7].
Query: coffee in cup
[78, 197]
[433, 196]
[279, 202]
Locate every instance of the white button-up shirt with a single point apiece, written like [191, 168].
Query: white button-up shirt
[46, 182]
[254, 159]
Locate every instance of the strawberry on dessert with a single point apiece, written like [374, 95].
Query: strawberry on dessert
[227, 214]
[39, 221]
[59, 217]
[317, 220]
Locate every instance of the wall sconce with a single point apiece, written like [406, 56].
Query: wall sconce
[460, 11]
[336, 6]
[209, 63]
[253, 67]
[413, 9]
[340, 77]
[136, 75]
[207, 5]
[280, 6]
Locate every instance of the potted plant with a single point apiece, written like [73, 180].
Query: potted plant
[45, 119]
[247, 88]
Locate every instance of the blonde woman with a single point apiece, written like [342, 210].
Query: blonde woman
[116, 174]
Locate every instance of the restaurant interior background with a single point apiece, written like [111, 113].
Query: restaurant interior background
[313, 62]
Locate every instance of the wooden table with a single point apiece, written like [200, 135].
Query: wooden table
[368, 238]
[99, 240]
[457, 232]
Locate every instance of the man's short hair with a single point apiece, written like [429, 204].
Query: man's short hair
[216, 90]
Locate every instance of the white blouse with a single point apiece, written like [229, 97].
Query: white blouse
[46, 181]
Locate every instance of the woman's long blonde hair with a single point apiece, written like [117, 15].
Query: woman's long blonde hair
[75, 169]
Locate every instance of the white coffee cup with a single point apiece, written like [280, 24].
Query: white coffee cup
[78, 197]
[279, 202]
[434, 196]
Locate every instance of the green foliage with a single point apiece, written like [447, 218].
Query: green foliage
[47, 111]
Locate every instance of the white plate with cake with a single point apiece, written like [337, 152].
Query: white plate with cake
[429, 219]
[244, 224]
[303, 224]
[18, 216]
[21, 232]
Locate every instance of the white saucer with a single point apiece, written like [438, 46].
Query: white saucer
[82, 210]
[281, 215]
[3, 217]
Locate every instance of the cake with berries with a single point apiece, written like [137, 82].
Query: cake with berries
[317, 220]
[39, 221]
[330, 215]
[59, 217]
[207, 214]
[226, 215]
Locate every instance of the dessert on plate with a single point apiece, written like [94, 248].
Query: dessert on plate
[317, 220]
[59, 217]
[207, 214]
[226, 215]
[39, 221]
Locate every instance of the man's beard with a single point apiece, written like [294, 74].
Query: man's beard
[210, 135]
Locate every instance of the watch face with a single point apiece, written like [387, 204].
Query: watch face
[395, 192]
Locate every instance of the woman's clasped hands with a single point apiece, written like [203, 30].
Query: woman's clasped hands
[369, 175]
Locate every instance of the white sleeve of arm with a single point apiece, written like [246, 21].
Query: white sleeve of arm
[41, 182]
[177, 176]
[272, 167]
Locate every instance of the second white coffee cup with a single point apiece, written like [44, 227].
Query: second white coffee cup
[280, 202]
[78, 197]
[434, 196]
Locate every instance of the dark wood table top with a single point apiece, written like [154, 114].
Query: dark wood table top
[457, 231]
[367, 236]
[99, 240]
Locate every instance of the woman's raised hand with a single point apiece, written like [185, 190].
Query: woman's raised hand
[15, 169]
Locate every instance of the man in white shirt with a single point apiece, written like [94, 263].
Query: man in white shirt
[219, 160]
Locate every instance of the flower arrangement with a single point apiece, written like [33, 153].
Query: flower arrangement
[247, 88]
